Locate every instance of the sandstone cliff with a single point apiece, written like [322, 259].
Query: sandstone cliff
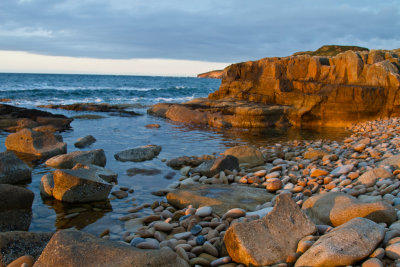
[299, 90]
[214, 74]
[331, 50]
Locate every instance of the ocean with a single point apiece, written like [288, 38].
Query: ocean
[116, 133]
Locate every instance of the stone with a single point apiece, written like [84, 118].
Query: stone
[345, 169]
[153, 125]
[16, 208]
[318, 172]
[373, 262]
[393, 251]
[260, 213]
[234, 213]
[13, 170]
[16, 244]
[344, 245]
[80, 185]
[391, 161]
[120, 194]
[68, 161]
[75, 248]
[211, 167]
[220, 197]
[370, 177]
[273, 184]
[24, 261]
[196, 229]
[246, 154]
[210, 249]
[204, 211]
[107, 175]
[47, 186]
[117, 109]
[137, 154]
[163, 226]
[314, 154]
[338, 208]
[85, 141]
[271, 239]
[40, 144]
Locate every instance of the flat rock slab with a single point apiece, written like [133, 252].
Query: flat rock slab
[13, 170]
[344, 245]
[16, 244]
[138, 154]
[75, 248]
[270, 239]
[68, 161]
[338, 208]
[41, 144]
[220, 197]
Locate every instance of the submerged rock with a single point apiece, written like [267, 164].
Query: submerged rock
[13, 170]
[271, 239]
[68, 161]
[85, 141]
[41, 144]
[344, 245]
[138, 154]
[74, 248]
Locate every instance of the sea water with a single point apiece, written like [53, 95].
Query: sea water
[116, 133]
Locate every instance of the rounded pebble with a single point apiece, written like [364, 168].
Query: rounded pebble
[196, 229]
[210, 249]
[372, 262]
[204, 211]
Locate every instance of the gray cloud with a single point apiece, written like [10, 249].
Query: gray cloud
[225, 31]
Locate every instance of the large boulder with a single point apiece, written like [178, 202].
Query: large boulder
[220, 197]
[299, 90]
[271, 239]
[138, 154]
[338, 208]
[344, 245]
[212, 167]
[16, 208]
[74, 248]
[41, 144]
[68, 161]
[16, 244]
[13, 170]
[246, 154]
[79, 185]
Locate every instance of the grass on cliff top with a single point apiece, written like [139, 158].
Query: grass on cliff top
[331, 50]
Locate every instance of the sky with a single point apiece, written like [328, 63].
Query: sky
[181, 37]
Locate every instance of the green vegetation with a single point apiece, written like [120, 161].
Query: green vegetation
[331, 50]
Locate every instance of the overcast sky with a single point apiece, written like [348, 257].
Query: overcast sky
[214, 32]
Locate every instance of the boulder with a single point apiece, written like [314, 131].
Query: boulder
[344, 245]
[391, 161]
[193, 161]
[16, 208]
[46, 186]
[370, 177]
[271, 239]
[338, 208]
[68, 161]
[13, 170]
[74, 248]
[212, 167]
[41, 144]
[85, 141]
[107, 175]
[16, 244]
[138, 154]
[246, 154]
[220, 197]
[79, 185]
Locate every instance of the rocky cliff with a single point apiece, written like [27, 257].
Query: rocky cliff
[299, 90]
[214, 74]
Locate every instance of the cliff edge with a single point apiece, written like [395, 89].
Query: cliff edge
[214, 74]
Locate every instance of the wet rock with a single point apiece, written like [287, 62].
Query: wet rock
[246, 154]
[211, 167]
[338, 208]
[13, 170]
[271, 239]
[146, 172]
[138, 154]
[47, 186]
[345, 169]
[16, 244]
[120, 194]
[68, 161]
[15, 208]
[85, 141]
[24, 261]
[344, 245]
[107, 175]
[74, 248]
[41, 144]
[220, 197]
[153, 125]
[314, 154]
[370, 177]
[193, 161]
[80, 185]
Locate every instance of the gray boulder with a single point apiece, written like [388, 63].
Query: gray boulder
[79, 185]
[212, 167]
[41, 144]
[74, 248]
[107, 175]
[16, 208]
[246, 154]
[85, 141]
[344, 245]
[68, 161]
[16, 244]
[138, 154]
[271, 239]
[13, 170]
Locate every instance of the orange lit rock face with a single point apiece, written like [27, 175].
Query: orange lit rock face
[298, 90]
[215, 74]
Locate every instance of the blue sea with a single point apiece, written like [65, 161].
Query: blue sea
[114, 133]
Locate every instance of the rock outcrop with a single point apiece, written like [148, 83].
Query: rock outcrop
[118, 109]
[214, 74]
[298, 90]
